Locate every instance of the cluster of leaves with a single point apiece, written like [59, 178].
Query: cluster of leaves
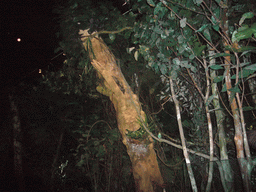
[141, 133]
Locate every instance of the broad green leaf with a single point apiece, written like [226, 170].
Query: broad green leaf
[198, 49]
[158, 30]
[151, 3]
[207, 34]
[248, 108]
[181, 49]
[191, 57]
[233, 38]
[158, 8]
[245, 34]
[216, 27]
[218, 79]
[243, 74]
[243, 27]
[224, 88]
[247, 15]
[246, 48]
[216, 67]
[243, 64]
[251, 67]
[183, 22]
[235, 89]
[163, 69]
[219, 55]
[253, 27]
[198, 2]
[217, 12]
[202, 28]
[176, 61]
[180, 39]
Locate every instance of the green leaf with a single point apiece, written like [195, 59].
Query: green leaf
[251, 67]
[247, 15]
[176, 61]
[112, 37]
[198, 49]
[216, 27]
[245, 34]
[246, 48]
[207, 34]
[163, 69]
[198, 2]
[219, 55]
[224, 88]
[243, 74]
[253, 27]
[202, 28]
[218, 79]
[248, 108]
[151, 3]
[235, 89]
[183, 22]
[216, 67]
[191, 57]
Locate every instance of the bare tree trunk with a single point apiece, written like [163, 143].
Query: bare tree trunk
[227, 179]
[17, 145]
[239, 141]
[128, 112]
[185, 151]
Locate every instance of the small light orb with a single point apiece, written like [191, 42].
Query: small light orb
[19, 39]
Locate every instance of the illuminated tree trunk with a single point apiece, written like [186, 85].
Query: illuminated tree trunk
[128, 112]
[17, 146]
[240, 135]
[227, 179]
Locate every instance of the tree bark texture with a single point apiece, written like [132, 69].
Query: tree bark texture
[128, 112]
[228, 179]
[238, 139]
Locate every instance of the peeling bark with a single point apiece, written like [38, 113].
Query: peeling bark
[128, 112]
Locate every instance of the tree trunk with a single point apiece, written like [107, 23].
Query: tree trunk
[243, 163]
[17, 145]
[227, 180]
[182, 137]
[128, 112]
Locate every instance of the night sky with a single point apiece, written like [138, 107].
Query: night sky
[35, 24]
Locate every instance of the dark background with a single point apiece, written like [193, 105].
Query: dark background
[35, 24]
